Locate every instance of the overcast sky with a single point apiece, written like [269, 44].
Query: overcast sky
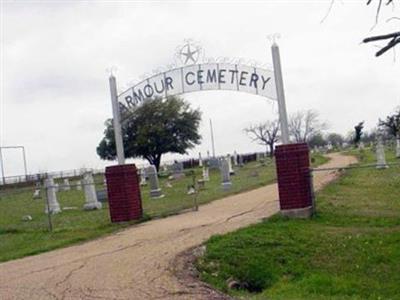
[54, 55]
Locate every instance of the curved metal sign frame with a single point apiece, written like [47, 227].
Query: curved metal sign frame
[202, 77]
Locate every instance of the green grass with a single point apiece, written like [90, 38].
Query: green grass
[19, 238]
[350, 250]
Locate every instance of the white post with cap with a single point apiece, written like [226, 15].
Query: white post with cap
[283, 119]
[117, 121]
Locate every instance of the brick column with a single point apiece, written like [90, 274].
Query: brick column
[125, 202]
[295, 195]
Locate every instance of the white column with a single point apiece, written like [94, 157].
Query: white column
[90, 193]
[52, 205]
[280, 93]
[117, 121]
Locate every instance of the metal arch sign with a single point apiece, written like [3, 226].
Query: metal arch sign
[202, 77]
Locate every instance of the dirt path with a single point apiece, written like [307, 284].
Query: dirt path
[138, 263]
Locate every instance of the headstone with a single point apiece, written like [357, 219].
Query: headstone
[200, 160]
[329, 146]
[78, 185]
[206, 174]
[398, 146]
[241, 164]
[52, 206]
[226, 178]
[36, 194]
[102, 195]
[143, 181]
[214, 163]
[90, 193]
[177, 170]
[168, 184]
[361, 145]
[155, 191]
[191, 190]
[235, 158]
[229, 160]
[65, 186]
[26, 218]
[380, 154]
[258, 156]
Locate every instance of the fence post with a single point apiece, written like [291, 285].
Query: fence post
[312, 190]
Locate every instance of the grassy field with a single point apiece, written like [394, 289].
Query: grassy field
[19, 238]
[350, 250]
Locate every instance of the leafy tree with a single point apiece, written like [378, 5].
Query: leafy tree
[358, 131]
[265, 134]
[335, 139]
[154, 128]
[392, 124]
[304, 124]
[317, 140]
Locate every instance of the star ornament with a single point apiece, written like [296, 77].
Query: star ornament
[189, 54]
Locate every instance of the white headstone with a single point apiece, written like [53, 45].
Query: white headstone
[90, 193]
[380, 154]
[200, 160]
[226, 178]
[229, 160]
[143, 177]
[36, 194]
[53, 206]
[155, 191]
[206, 176]
[235, 158]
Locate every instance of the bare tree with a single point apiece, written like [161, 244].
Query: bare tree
[392, 39]
[265, 134]
[304, 124]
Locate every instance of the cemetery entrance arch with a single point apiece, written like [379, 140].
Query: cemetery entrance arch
[217, 76]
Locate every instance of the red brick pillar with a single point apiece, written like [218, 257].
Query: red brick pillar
[295, 195]
[125, 202]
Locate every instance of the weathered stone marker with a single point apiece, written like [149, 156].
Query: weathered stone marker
[155, 191]
[123, 190]
[36, 194]
[229, 160]
[90, 193]
[226, 178]
[235, 158]
[241, 164]
[177, 170]
[206, 174]
[398, 146]
[380, 154]
[214, 163]
[294, 180]
[52, 206]
[200, 161]
[143, 181]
